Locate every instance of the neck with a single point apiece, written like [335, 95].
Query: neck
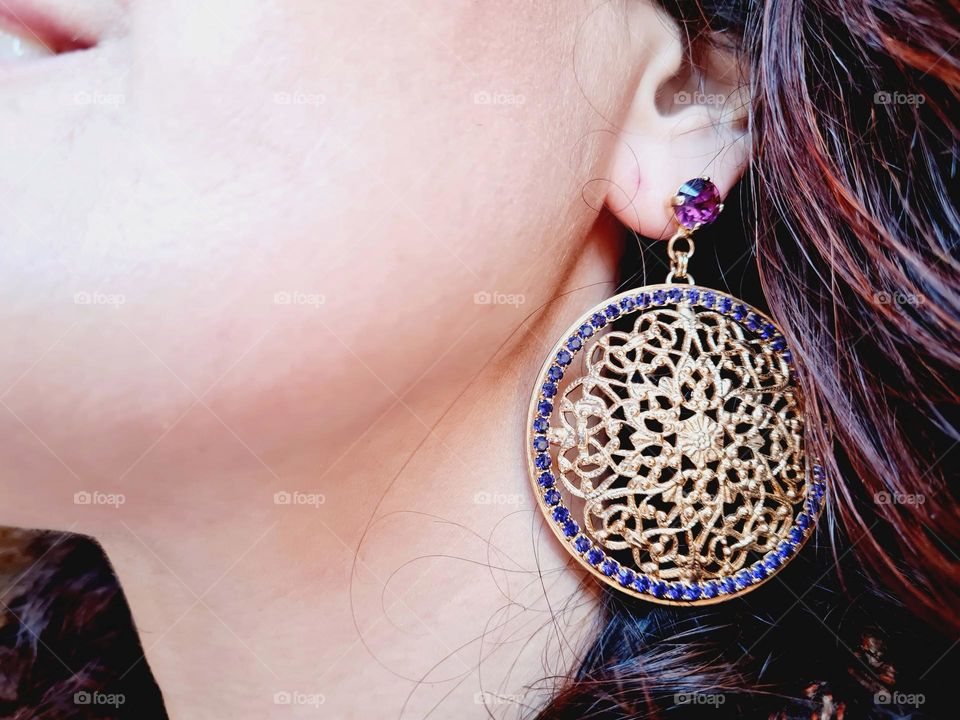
[412, 571]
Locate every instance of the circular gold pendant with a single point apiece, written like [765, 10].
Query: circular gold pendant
[666, 446]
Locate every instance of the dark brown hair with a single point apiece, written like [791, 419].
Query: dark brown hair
[68, 645]
[857, 114]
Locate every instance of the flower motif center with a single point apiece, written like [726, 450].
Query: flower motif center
[699, 437]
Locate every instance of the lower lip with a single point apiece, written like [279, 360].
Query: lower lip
[23, 20]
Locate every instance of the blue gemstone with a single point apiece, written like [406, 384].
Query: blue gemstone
[711, 589]
[540, 425]
[675, 295]
[785, 550]
[675, 591]
[642, 583]
[551, 497]
[771, 561]
[742, 579]
[658, 588]
[542, 462]
[724, 305]
[594, 556]
[611, 311]
[796, 535]
[626, 576]
[643, 299]
[609, 567]
[555, 373]
[803, 521]
[564, 358]
[560, 514]
[659, 297]
[544, 407]
[570, 528]
[788, 356]
[709, 298]
[817, 490]
[598, 320]
[728, 585]
[574, 343]
[753, 322]
[768, 331]
[739, 312]
[758, 571]
[818, 472]
[813, 505]
[581, 544]
[586, 330]
[693, 295]
[546, 480]
[540, 443]
[779, 343]
[627, 304]
[549, 389]
[692, 592]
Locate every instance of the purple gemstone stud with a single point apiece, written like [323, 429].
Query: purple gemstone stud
[697, 203]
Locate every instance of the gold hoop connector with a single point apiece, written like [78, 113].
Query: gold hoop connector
[680, 257]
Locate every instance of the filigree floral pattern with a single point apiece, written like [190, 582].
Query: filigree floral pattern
[681, 442]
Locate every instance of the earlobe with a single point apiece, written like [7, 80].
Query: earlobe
[682, 122]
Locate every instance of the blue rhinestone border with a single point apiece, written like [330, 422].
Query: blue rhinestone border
[551, 502]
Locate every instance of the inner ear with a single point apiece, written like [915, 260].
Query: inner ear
[687, 118]
[713, 73]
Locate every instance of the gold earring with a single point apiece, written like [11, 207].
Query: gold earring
[665, 436]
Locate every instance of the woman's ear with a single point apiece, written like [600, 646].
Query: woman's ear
[682, 121]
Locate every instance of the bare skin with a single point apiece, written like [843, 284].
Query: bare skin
[254, 248]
